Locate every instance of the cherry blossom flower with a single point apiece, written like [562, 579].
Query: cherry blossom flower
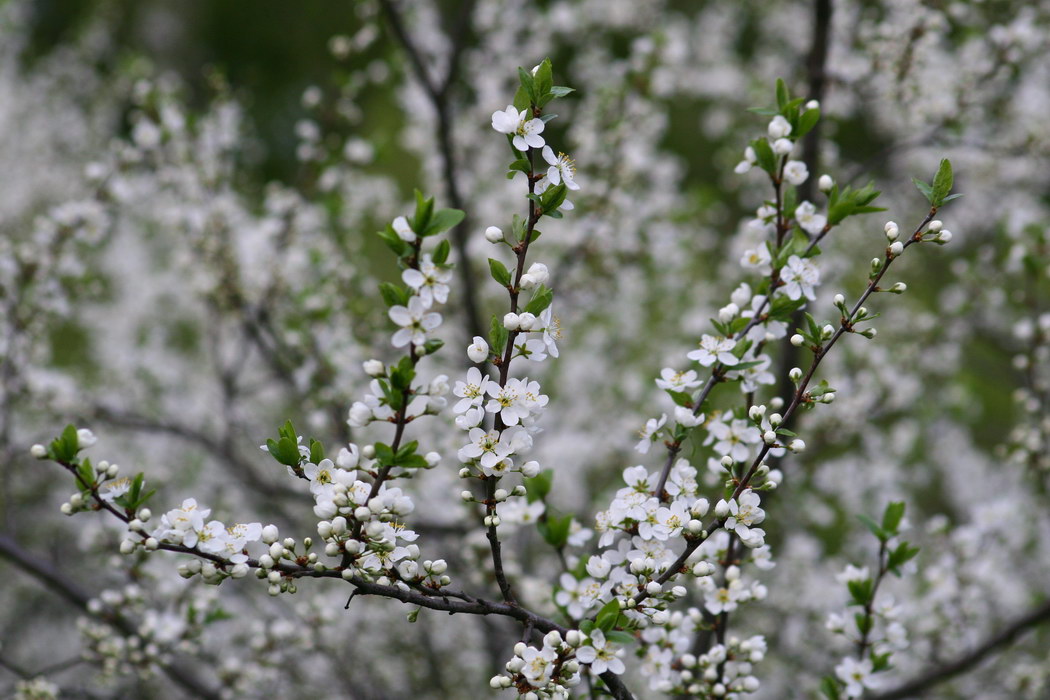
[800, 276]
[601, 655]
[525, 130]
[415, 322]
[562, 169]
[714, 348]
[430, 282]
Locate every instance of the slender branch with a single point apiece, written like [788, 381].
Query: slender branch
[66, 588]
[971, 659]
[692, 543]
[438, 94]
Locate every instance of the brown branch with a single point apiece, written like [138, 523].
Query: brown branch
[53, 579]
[968, 661]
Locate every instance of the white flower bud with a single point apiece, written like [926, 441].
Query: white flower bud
[776, 419]
[374, 368]
[526, 321]
[694, 526]
[269, 534]
[769, 437]
[700, 507]
[433, 459]
[813, 104]
[276, 550]
[899, 287]
[145, 514]
[896, 248]
[493, 234]
[500, 494]
[85, 438]
[530, 469]
[574, 638]
[795, 374]
[653, 587]
[703, 568]
[827, 331]
[239, 570]
[721, 509]
[779, 127]
[496, 682]
[839, 300]
[797, 340]
[935, 226]
[38, 451]
[519, 649]
[797, 446]
[944, 236]
[783, 146]
[368, 451]
[478, 351]
[825, 183]
[466, 496]
[127, 547]
[511, 322]
[552, 639]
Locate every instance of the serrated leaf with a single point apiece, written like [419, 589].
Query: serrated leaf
[942, 182]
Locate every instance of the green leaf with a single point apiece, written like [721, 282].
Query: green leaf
[527, 84]
[606, 618]
[807, 121]
[873, 526]
[891, 518]
[561, 90]
[619, 637]
[424, 209]
[393, 294]
[861, 591]
[497, 335]
[442, 220]
[499, 271]
[555, 529]
[541, 299]
[522, 100]
[924, 188]
[783, 97]
[393, 241]
[942, 182]
[384, 454]
[553, 198]
[764, 155]
[316, 451]
[85, 475]
[64, 448]
[830, 688]
[680, 397]
[537, 488]
[543, 81]
[442, 251]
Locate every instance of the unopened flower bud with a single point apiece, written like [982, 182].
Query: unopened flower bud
[511, 322]
[38, 451]
[825, 183]
[797, 446]
[895, 249]
[797, 340]
[935, 226]
[493, 234]
[374, 368]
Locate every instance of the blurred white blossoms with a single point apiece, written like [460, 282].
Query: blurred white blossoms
[807, 217]
[855, 674]
[601, 655]
[525, 130]
[415, 322]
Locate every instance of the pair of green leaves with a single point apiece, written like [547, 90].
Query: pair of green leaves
[539, 89]
[405, 457]
[937, 192]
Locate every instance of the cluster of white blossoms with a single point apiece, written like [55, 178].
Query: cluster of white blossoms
[551, 671]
